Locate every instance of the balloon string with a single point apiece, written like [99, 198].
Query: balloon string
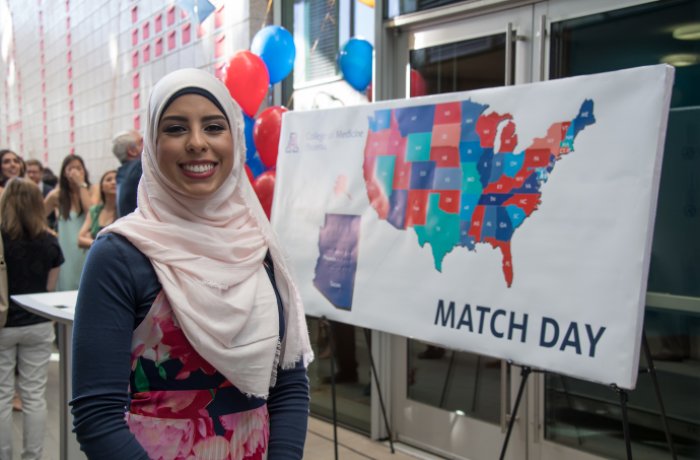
[267, 14]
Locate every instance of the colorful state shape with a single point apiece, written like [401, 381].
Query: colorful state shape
[494, 199]
[417, 119]
[465, 239]
[516, 215]
[441, 231]
[471, 179]
[446, 135]
[448, 113]
[490, 222]
[471, 111]
[476, 223]
[506, 258]
[402, 174]
[484, 166]
[422, 173]
[487, 127]
[384, 173]
[397, 209]
[445, 157]
[508, 138]
[377, 143]
[380, 121]
[447, 179]
[416, 207]
[418, 146]
[467, 205]
[470, 151]
[528, 202]
[504, 229]
[585, 116]
[336, 266]
[497, 166]
[513, 163]
[449, 201]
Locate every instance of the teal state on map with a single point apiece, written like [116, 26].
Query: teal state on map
[450, 171]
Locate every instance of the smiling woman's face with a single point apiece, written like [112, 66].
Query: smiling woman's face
[10, 165]
[194, 146]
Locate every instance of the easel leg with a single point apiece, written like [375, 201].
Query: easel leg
[625, 422]
[448, 377]
[524, 373]
[652, 372]
[331, 341]
[379, 390]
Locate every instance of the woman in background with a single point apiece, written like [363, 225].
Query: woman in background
[26, 340]
[72, 198]
[11, 165]
[101, 214]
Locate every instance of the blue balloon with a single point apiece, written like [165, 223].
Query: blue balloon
[275, 46]
[249, 144]
[355, 60]
[256, 165]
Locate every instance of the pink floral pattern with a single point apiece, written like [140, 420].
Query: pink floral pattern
[181, 407]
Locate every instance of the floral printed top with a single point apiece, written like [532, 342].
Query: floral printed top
[128, 352]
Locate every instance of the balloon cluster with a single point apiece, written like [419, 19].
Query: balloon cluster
[248, 78]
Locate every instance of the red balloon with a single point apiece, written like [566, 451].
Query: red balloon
[369, 93]
[266, 134]
[265, 189]
[418, 85]
[247, 81]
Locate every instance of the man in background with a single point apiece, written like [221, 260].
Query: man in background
[35, 172]
[127, 147]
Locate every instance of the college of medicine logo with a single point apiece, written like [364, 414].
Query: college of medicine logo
[292, 143]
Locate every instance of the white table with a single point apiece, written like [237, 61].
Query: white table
[59, 307]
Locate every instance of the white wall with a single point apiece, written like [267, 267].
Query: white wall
[75, 58]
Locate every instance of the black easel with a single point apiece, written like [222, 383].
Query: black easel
[331, 340]
[525, 372]
[624, 398]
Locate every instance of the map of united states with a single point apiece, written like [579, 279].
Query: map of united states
[451, 172]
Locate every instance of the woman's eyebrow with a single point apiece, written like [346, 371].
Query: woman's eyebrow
[183, 118]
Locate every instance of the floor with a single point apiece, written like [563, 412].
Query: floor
[319, 438]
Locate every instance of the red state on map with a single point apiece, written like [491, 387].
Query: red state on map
[528, 202]
[508, 138]
[445, 157]
[449, 201]
[487, 125]
[448, 113]
[552, 140]
[507, 258]
[402, 174]
[536, 158]
[504, 185]
[417, 207]
[477, 220]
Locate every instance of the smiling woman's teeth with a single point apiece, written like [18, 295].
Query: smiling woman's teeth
[198, 168]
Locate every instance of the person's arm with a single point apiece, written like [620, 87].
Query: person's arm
[288, 406]
[111, 290]
[52, 279]
[51, 201]
[85, 236]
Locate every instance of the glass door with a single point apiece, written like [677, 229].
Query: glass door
[574, 419]
[455, 403]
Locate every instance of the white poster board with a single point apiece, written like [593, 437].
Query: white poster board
[514, 222]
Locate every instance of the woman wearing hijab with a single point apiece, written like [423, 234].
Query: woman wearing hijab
[187, 314]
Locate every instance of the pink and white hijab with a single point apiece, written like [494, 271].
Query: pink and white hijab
[208, 253]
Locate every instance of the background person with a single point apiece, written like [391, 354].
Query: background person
[10, 166]
[206, 341]
[72, 198]
[127, 147]
[103, 213]
[33, 257]
[35, 172]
